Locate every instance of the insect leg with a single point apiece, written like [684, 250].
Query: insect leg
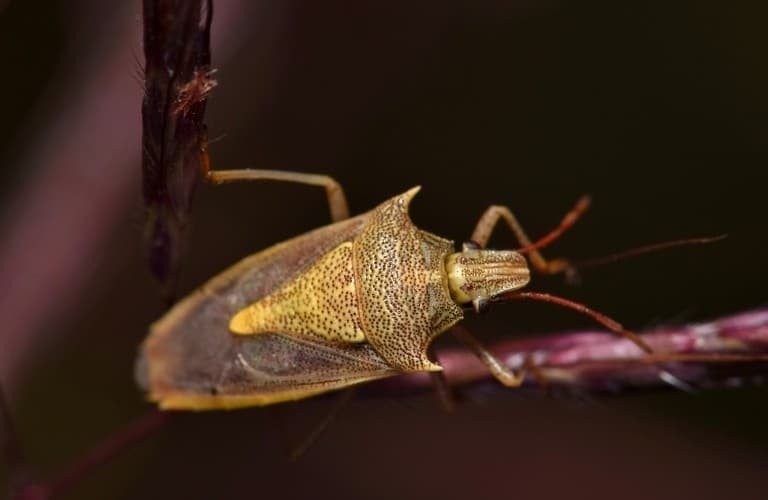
[443, 391]
[498, 369]
[442, 387]
[604, 320]
[491, 216]
[341, 402]
[337, 201]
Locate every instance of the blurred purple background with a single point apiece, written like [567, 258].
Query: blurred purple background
[658, 112]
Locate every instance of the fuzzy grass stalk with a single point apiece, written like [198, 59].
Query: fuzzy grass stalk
[177, 79]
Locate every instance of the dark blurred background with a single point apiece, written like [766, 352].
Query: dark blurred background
[658, 110]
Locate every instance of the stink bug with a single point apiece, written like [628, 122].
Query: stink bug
[357, 300]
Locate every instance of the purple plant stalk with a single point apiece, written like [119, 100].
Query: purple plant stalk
[177, 81]
[80, 467]
[730, 351]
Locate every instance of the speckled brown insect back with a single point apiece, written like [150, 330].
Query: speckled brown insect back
[357, 300]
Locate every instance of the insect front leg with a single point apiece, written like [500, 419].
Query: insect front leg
[337, 201]
[498, 369]
[487, 223]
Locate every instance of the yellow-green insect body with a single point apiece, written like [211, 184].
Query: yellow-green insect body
[354, 301]
[386, 287]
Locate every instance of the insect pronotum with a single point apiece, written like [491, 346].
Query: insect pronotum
[357, 300]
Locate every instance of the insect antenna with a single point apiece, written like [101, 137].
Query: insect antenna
[613, 325]
[571, 268]
[655, 247]
[604, 320]
[665, 359]
[700, 357]
[568, 221]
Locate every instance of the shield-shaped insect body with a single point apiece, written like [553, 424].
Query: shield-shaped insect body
[357, 300]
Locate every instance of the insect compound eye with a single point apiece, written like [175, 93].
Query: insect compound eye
[470, 245]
